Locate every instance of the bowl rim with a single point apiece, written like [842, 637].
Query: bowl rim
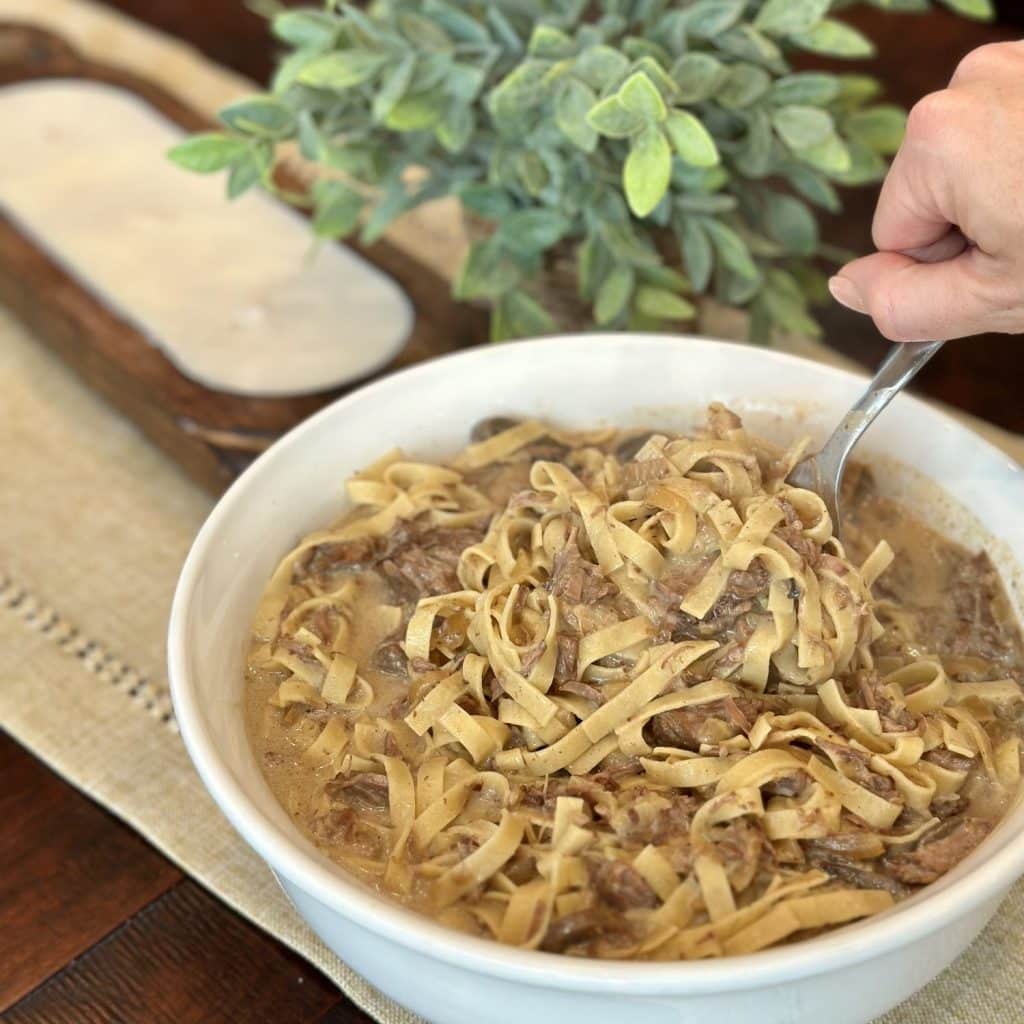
[309, 871]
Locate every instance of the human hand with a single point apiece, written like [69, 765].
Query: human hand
[949, 225]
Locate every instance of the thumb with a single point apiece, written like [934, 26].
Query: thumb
[912, 301]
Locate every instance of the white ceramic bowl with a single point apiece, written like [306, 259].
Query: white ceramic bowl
[845, 977]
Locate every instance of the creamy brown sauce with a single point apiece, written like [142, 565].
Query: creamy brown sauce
[937, 600]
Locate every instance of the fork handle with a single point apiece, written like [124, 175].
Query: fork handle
[900, 366]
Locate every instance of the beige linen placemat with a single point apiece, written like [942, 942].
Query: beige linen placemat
[94, 525]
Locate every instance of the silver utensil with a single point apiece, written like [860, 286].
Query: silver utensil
[823, 472]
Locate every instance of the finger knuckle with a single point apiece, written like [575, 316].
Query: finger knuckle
[979, 62]
[931, 114]
[989, 60]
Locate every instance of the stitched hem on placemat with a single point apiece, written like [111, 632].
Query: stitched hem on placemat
[146, 693]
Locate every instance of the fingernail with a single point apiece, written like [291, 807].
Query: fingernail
[845, 292]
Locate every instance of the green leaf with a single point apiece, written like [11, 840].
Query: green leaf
[287, 71]
[550, 43]
[746, 43]
[665, 277]
[337, 209]
[708, 18]
[813, 88]
[343, 69]
[865, 167]
[455, 128]
[425, 33]
[691, 140]
[791, 223]
[800, 127]
[305, 28]
[835, 39]
[485, 272]
[532, 172]
[982, 10]
[464, 81]
[830, 156]
[699, 202]
[879, 128]
[518, 315]
[488, 201]
[640, 96]
[756, 157]
[812, 186]
[531, 231]
[573, 102]
[856, 90]
[659, 77]
[520, 90]
[731, 249]
[261, 116]
[784, 17]
[646, 174]
[592, 264]
[207, 153]
[248, 170]
[610, 118]
[698, 76]
[601, 66]
[663, 304]
[417, 112]
[697, 253]
[393, 88]
[614, 294]
[458, 24]
[745, 84]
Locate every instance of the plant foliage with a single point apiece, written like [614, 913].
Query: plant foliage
[669, 147]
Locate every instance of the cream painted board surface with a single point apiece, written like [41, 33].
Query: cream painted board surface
[234, 293]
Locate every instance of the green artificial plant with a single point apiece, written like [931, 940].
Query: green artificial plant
[666, 149]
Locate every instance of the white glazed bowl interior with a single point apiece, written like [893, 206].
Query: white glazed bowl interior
[629, 380]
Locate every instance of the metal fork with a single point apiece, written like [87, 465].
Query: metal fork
[823, 472]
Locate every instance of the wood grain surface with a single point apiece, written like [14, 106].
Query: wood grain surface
[95, 926]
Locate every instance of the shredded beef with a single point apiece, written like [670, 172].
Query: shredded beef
[620, 885]
[390, 659]
[871, 694]
[368, 790]
[326, 560]
[949, 760]
[948, 805]
[787, 785]
[424, 559]
[935, 856]
[791, 530]
[856, 764]
[566, 661]
[531, 657]
[576, 579]
[852, 873]
[739, 846]
[584, 690]
[583, 928]
[689, 727]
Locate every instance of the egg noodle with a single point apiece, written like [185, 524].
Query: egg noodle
[641, 706]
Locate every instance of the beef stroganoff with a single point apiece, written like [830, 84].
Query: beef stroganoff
[625, 694]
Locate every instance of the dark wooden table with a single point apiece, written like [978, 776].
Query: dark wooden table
[96, 926]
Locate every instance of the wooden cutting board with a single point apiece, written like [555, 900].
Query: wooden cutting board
[211, 434]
